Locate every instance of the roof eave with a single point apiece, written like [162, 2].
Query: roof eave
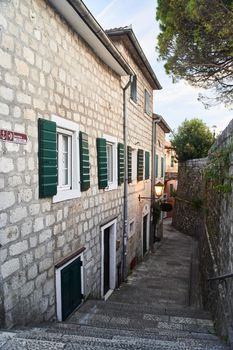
[162, 123]
[129, 32]
[84, 24]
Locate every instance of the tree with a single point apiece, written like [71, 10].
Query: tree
[192, 140]
[196, 41]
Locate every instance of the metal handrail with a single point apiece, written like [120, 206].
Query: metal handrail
[221, 277]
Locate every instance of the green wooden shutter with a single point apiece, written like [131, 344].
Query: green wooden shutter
[102, 163]
[121, 163]
[129, 153]
[147, 165]
[156, 165]
[140, 164]
[84, 161]
[47, 152]
[162, 166]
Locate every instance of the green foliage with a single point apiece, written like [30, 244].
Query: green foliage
[192, 140]
[217, 171]
[156, 212]
[173, 193]
[197, 203]
[196, 42]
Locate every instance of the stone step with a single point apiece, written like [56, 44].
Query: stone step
[109, 333]
[127, 317]
[119, 306]
[64, 341]
[148, 323]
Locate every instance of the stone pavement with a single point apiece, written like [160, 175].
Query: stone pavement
[151, 311]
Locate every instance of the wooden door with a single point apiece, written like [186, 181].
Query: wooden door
[71, 293]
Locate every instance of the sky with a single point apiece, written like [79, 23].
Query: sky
[175, 102]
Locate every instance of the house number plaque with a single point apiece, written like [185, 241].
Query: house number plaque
[12, 136]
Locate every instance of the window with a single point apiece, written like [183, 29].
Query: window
[156, 165]
[133, 90]
[172, 161]
[68, 161]
[64, 157]
[171, 190]
[162, 167]
[147, 103]
[111, 149]
[131, 228]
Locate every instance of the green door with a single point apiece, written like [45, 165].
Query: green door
[71, 293]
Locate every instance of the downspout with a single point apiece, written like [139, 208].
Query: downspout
[125, 134]
[153, 153]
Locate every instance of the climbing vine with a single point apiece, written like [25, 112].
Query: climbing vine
[216, 172]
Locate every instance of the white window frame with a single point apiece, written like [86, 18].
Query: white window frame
[113, 140]
[60, 133]
[71, 128]
[130, 234]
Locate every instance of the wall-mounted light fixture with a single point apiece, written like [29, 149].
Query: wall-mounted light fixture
[158, 191]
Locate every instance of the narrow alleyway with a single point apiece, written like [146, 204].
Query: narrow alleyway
[151, 311]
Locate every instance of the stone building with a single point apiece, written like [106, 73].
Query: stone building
[161, 128]
[64, 149]
[171, 173]
[140, 126]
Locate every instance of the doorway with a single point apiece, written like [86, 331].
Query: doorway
[108, 259]
[144, 234]
[145, 228]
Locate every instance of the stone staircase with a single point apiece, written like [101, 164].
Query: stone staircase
[151, 311]
[112, 325]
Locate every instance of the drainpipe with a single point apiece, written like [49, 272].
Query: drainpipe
[153, 153]
[125, 134]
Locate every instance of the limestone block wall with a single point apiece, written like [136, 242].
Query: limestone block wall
[186, 217]
[139, 136]
[160, 150]
[46, 69]
[213, 227]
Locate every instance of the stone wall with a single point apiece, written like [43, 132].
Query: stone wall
[187, 217]
[139, 136]
[46, 69]
[213, 227]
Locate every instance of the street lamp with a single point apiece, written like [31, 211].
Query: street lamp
[159, 186]
[158, 191]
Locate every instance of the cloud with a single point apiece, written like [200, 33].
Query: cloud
[176, 101]
[101, 16]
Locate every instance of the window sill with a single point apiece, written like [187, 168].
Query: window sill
[133, 102]
[147, 114]
[66, 195]
[111, 187]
